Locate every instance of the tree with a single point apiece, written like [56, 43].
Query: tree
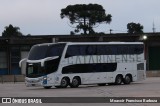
[134, 28]
[11, 31]
[86, 17]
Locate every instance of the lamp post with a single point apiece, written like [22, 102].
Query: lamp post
[144, 37]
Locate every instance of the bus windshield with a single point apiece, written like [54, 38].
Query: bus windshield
[40, 52]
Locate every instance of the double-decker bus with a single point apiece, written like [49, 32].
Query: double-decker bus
[73, 64]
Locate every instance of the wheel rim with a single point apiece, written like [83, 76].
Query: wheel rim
[64, 83]
[118, 80]
[127, 79]
[75, 82]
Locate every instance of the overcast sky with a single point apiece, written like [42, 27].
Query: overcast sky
[42, 17]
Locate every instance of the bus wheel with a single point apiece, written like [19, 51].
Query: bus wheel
[47, 87]
[103, 84]
[64, 82]
[118, 80]
[127, 79]
[75, 82]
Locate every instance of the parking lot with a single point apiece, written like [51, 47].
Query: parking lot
[147, 88]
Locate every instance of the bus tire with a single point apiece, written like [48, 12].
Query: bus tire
[64, 82]
[47, 87]
[75, 82]
[127, 79]
[118, 80]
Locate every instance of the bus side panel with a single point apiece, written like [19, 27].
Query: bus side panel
[141, 71]
[126, 68]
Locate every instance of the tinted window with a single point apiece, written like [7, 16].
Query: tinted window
[51, 66]
[43, 51]
[55, 50]
[72, 51]
[88, 68]
[38, 52]
[119, 49]
[81, 50]
[91, 50]
[34, 70]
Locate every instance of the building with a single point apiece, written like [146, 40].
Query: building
[13, 49]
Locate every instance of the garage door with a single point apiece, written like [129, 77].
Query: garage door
[154, 58]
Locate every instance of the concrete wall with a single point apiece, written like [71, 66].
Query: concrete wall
[11, 78]
[153, 73]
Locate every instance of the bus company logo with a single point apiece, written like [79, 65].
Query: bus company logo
[6, 100]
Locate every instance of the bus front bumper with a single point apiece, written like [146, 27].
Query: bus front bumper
[35, 82]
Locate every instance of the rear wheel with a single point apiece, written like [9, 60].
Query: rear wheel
[127, 79]
[75, 82]
[118, 80]
[64, 82]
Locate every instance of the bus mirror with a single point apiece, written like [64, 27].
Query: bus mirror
[47, 59]
[20, 62]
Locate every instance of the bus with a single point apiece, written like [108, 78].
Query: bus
[78, 63]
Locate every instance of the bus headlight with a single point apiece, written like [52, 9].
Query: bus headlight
[45, 80]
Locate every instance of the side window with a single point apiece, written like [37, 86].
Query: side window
[138, 49]
[122, 49]
[55, 50]
[91, 50]
[106, 50]
[76, 50]
[129, 49]
[101, 50]
[51, 65]
[72, 51]
[89, 68]
[83, 50]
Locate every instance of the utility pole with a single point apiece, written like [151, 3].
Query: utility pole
[154, 29]
[110, 31]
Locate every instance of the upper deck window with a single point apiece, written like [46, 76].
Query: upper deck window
[43, 51]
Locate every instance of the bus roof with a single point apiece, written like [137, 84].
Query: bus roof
[79, 43]
[86, 43]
